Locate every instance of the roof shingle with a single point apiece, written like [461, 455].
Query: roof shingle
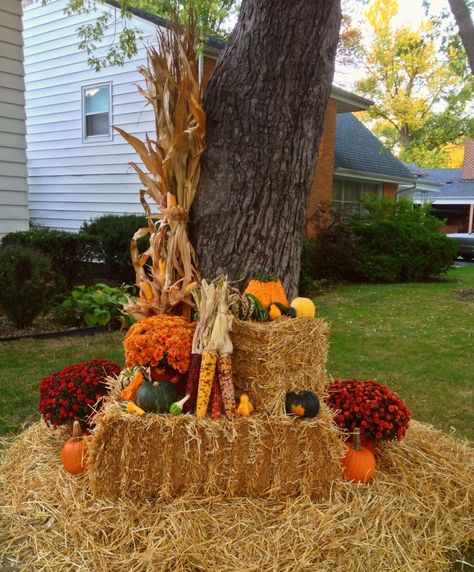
[358, 149]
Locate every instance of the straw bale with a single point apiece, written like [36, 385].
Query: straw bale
[161, 456]
[273, 358]
[413, 517]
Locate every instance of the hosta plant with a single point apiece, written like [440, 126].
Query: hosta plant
[96, 305]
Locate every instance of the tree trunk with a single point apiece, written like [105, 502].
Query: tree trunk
[462, 15]
[265, 107]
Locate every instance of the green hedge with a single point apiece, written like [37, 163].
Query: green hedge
[380, 251]
[28, 283]
[67, 251]
[113, 234]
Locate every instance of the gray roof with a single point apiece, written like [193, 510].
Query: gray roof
[453, 185]
[357, 149]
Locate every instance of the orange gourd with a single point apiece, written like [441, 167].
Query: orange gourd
[73, 453]
[245, 408]
[359, 462]
[128, 394]
[274, 312]
[267, 288]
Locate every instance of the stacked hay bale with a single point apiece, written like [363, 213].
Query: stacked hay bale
[269, 454]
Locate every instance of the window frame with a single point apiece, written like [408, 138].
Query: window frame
[341, 202]
[95, 138]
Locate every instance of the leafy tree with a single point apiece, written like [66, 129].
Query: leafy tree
[421, 92]
[461, 11]
[265, 106]
[212, 16]
[462, 15]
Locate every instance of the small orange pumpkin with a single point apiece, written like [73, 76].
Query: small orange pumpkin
[359, 462]
[73, 453]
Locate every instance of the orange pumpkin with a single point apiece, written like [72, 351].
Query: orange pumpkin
[359, 462]
[267, 288]
[74, 454]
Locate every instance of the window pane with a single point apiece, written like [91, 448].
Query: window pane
[337, 190]
[371, 189]
[352, 192]
[97, 124]
[97, 99]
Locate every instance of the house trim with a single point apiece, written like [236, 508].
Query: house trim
[349, 102]
[367, 176]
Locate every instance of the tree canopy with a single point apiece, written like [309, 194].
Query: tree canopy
[421, 88]
[212, 17]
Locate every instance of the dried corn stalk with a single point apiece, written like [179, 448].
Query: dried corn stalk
[166, 272]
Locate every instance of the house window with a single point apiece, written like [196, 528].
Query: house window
[346, 195]
[96, 112]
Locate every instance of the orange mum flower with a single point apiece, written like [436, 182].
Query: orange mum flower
[160, 341]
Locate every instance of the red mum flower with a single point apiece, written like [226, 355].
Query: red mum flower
[62, 400]
[380, 413]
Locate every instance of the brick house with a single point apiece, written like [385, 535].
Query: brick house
[451, 192]
[78, 167]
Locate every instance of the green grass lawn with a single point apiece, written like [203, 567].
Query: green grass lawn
[416, 338]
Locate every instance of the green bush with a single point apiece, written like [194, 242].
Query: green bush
[385, 250]
[66, 250]
[94, 305]
[27, 283]
[114, 233]
[395, 251]
[375, 209]
[331, 256]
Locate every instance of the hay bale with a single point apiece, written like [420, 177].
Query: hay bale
[273, 358]
[414, 517]
[161, 456]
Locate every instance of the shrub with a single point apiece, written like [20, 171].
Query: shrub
[334, 253]
[27, 283]
[74, 392]
[114, 233]
[94, 305]
[380, 413]
[397, 251]
[385, 250]
[375, 209]
[66, 250]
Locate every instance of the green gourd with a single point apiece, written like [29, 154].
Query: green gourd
[155, 396]
[302, 404]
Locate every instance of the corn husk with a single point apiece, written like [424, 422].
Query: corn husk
[165, 272]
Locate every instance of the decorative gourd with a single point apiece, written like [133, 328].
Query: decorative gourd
[359, 462]
[267, 288]
[245, 408]
[176, 408]
[128, 393]
[155, 396]
[73, 453]
[274, 312]
[130, 407]
[304, 307]
[302, 403]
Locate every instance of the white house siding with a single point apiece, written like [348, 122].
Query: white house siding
[72, 181]
[13, 185]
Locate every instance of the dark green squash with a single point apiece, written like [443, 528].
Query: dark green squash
[155, 396]
[302, 404]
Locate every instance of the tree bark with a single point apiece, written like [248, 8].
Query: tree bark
[265, 107]
[462, 15]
